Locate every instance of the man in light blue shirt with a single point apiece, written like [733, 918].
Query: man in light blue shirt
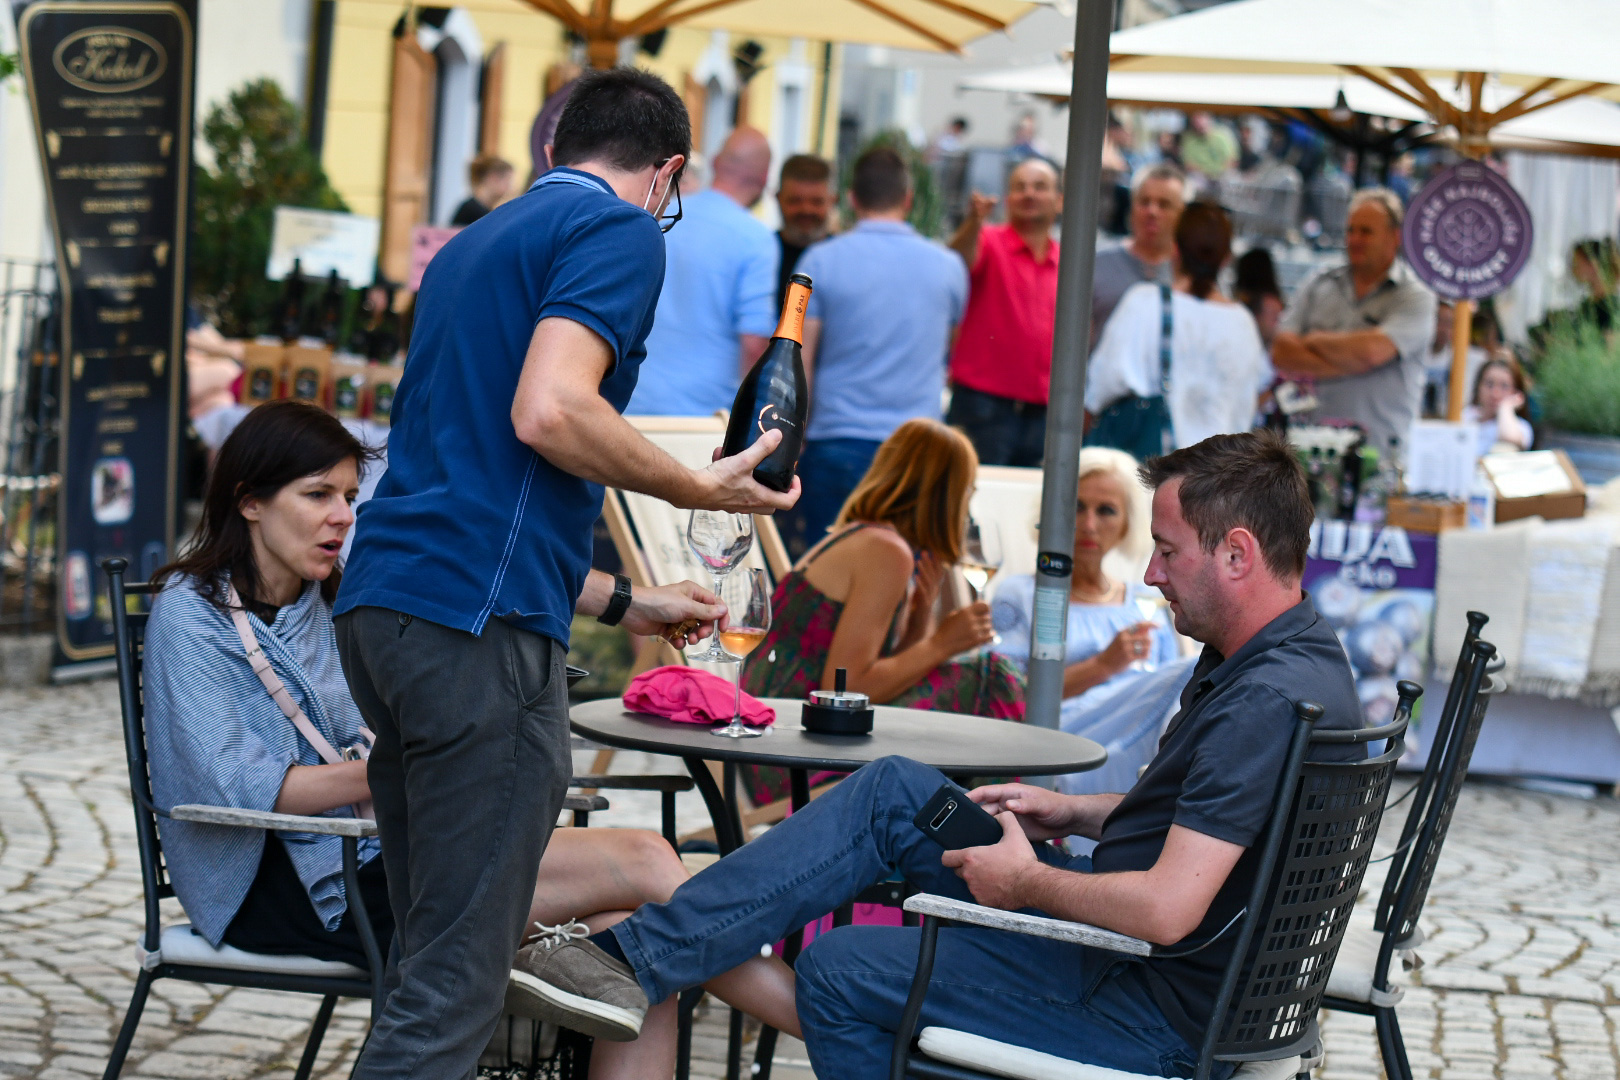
[718, 305]
[876, 338]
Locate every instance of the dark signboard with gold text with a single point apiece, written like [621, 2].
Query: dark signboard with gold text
[111, 89]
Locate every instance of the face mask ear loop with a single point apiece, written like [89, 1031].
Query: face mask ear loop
[653, 186]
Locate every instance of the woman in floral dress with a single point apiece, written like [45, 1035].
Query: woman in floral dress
[863, 599]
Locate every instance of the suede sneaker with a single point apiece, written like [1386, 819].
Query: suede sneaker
[562, 978]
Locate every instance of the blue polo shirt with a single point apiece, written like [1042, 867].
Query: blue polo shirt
[887, 299]
[469, 522]
[721, 283]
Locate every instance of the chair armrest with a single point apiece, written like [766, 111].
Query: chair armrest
[587, 803]
[265, 819]
[633, 783]
[943, 907]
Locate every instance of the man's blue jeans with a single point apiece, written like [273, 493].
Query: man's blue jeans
[1070, 1000]
[828, 471]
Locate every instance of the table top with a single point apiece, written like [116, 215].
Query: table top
[951, 742]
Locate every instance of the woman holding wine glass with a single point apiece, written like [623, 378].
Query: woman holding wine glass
[863, 599]
[1123, 665]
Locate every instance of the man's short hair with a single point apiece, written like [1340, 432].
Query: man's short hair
[1250, 481]
[485, 165]
[1383, 197]
[881, 180]
[806, 169]
[624, 117]
[1161, 171]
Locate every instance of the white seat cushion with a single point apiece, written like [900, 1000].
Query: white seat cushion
[1020, 1063]
[179, 945]
[1352, 975]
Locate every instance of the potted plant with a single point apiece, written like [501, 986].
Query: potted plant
[1578, 387]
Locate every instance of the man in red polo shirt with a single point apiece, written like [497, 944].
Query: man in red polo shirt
[1002, 362]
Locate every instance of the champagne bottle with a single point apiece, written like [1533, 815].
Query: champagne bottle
[774, 394]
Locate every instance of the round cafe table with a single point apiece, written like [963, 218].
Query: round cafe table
[957, 745]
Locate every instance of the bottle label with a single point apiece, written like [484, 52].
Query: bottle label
[792, 324]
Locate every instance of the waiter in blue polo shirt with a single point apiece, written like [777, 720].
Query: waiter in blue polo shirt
[474, 555]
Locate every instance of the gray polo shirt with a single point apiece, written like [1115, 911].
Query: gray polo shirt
[1116, 270]
[1385, 400]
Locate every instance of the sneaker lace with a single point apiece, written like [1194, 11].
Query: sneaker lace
[550, 937]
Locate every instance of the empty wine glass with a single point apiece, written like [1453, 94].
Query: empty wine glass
[748, 620]
[981, 559]
[1149, 604]
[721, 541]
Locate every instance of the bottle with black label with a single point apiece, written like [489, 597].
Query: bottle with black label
[774, 394]
[332, 309]
[292, 303]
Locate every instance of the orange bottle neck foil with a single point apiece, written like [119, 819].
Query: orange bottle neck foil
[792, 324]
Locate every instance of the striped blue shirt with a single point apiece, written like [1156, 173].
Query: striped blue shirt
[215, 736]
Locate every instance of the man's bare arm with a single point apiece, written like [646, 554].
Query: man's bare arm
[560, 413]
[1162, 904]
[965, 241]
[1330, 354]
[750, 347]
[1048, 815]
[812, 345]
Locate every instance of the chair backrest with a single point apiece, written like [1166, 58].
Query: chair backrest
[1406, 900]
[129, 631]
[1445, 728]
[1312, 861]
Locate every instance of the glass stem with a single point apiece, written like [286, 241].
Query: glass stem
[736, 709]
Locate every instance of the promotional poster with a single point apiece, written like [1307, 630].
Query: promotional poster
[110, 86]
[1375, 585]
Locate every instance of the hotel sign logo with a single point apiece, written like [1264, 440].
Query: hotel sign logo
[110, 59]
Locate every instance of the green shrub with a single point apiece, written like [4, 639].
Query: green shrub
[1578, 379]
[8, 65]
[260, 162]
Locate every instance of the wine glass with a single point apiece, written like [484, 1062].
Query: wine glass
[748, 619]
[721, 541]
[1149, 604]
[981, 560]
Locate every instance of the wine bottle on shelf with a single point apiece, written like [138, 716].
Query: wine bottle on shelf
[292, 302]
[774, 395]
[332, 309]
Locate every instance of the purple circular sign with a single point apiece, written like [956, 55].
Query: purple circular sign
[1467, 232]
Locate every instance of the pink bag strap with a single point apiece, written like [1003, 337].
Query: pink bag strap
[278, 690]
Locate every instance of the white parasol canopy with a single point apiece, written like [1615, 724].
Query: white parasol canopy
[1580, 125]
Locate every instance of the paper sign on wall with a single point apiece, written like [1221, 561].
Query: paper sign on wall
[323, 241]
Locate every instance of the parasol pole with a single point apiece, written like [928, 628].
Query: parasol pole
[1071, 338]
[1471, 143]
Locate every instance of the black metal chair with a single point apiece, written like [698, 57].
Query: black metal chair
[1361, 981]
[177, 953]
[1312, 859]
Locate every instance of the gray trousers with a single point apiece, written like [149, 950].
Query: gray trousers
[468, 775]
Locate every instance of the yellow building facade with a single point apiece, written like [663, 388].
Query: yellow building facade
[410, 99]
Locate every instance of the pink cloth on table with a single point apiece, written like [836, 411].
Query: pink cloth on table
[692, 696]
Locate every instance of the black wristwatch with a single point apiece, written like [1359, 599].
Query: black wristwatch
[618, 603]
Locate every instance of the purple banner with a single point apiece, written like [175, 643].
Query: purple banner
[1375, 585]
[1467, 233]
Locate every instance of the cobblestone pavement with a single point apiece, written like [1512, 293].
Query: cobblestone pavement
[1522, 972]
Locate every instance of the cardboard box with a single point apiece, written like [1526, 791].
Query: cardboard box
[308, 371]
[1426, 514]
[261, 372]
[1535, 483]
[348, 386]
[384, 381]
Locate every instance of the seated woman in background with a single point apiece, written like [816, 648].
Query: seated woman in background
[863, 599]
[1501, 393]
[277, 508]
[1218, 366]
[1123, 668]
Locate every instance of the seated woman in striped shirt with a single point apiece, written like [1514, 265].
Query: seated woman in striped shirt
[277, 509]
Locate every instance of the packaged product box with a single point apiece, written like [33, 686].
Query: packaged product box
[348, 385]
[384, 381]
[308, 370]
[261, 371]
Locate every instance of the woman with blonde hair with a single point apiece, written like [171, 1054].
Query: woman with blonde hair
[1123, 667]
[863, 599]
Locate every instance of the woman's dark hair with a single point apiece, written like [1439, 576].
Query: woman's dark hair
[1204, 242]
[1256, 274]
[276, 444]
[623, 117]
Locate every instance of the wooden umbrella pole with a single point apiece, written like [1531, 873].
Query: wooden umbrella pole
[1462, 321]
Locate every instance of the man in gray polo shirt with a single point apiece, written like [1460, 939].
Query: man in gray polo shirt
[1361, 330]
